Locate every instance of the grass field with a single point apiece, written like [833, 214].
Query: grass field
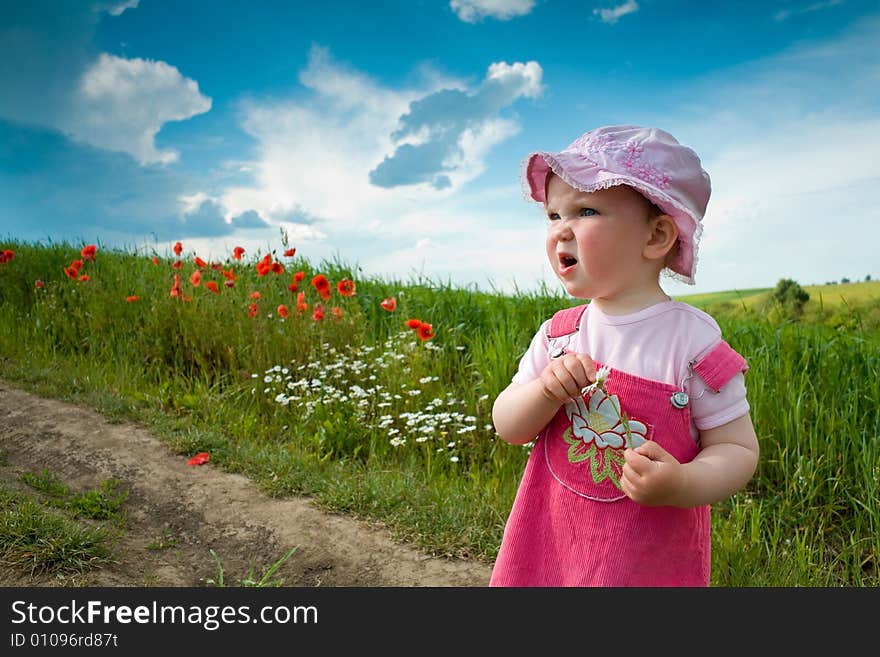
[713, 298]
[841, 294]
[374, 418]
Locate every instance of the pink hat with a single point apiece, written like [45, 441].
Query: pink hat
[650, 160]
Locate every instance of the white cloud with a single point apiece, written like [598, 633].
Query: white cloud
[471, 11]
[189, 203]
[785, 14]
[57, 81]
[315, 154]
[466, 247]
[442, 138]
[612, 15]
[121, 104]
[313, 157]
[116, 8]
[524, 78]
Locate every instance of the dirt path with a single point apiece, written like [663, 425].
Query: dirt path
[202, 508]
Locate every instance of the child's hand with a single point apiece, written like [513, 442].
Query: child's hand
[564, 377]
[652, 476]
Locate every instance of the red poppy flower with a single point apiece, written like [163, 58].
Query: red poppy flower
[132, 298]
[39, 284]
[229, 283]
[337, 312]
[70, 272]
[217, 266]
[290, 253]
[196, 277]
[426, 331]
[322, 285]
[345, 287]
[211, 285]
[229, 275]
[414, 323]
[263, 267]
[298, 276]
[318, 313]
[282, 311]
[88, 252]
[277, 268]
[177, 264]
[155, 261]
[178, 248]
[199, 459]
[301, 304]
[84, 278]
[320, 282]
[7, 255]
[2, 257]
[175, 289]
[389, 304]
[76, 265]
[293, 287]
[237, 252]
[255, 295]
[252, 310]
[201, 264]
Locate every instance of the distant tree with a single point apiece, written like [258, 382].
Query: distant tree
[844, 280]
[791, 296]
[867, 278]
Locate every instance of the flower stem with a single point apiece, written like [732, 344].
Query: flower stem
[621, 414]
[624, 420]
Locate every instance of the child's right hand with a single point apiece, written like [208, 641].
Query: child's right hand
[564, 377]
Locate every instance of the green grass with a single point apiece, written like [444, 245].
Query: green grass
[41, 540]
[164, 542]
[349, 430]
[844, 306]
[98, 504]
[251, 579]
[729, 296]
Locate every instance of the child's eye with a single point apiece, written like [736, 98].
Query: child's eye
[588, 212]
[553, 216]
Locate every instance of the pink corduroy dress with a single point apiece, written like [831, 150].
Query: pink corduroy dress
[571, 524]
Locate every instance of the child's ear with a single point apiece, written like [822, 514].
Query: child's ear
[662, 238]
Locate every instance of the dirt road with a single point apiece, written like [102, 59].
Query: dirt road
[199, 508]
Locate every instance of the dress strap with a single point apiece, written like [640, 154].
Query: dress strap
[720, 365]
[566, 321]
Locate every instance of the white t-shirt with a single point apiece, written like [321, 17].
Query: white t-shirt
[657, 343]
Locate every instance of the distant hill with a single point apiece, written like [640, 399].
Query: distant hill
[712, 298]
[842, 304]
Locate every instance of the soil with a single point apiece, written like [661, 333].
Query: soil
[194, 509]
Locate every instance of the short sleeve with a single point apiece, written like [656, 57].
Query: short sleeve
[710, 409]
[536, 357]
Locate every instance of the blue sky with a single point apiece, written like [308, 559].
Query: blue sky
[390, 134]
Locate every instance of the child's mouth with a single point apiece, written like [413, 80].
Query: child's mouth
[566, 264]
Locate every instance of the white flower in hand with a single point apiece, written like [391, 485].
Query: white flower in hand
[599, 383]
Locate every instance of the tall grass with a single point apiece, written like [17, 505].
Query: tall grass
[370, 420]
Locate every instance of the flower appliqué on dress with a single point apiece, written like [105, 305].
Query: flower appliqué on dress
[598, 434]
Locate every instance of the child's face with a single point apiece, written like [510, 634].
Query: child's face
[595, 241]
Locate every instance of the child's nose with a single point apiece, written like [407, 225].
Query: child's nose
[561, 230]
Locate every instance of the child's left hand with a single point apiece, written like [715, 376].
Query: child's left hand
[651, 475]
